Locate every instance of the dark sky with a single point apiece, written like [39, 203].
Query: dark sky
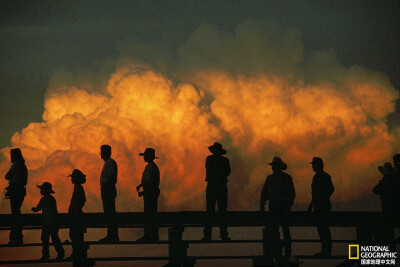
[39, 37]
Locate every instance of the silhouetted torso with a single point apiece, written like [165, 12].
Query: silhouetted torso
[151, 179]
[78, 199]
[321, 190]
[18, 174]
[48, 205]
[279, 190]
[217, 169]
[388, 189]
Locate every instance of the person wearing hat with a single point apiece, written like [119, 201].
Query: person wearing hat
[388, 189]
[321, 191]
[279, 190]
[217, 171]
[108, 179]
[48, 206]
[150, 183]
[17, 178]
[77, 225]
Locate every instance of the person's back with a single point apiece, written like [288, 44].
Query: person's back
[151, 179]
[279, 190]
[217, 169]
[78, 199]
[48, 205]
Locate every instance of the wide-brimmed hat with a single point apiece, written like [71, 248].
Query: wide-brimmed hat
[387, 168]
[216, 148]
[46, 187]
[317, 160]
[78, 176]
[150, 152]
[278, 161]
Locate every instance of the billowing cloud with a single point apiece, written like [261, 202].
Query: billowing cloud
[251, 89]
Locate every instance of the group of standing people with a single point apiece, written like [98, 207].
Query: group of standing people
[278, 189]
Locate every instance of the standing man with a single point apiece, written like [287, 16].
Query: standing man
[279, 190]
[217, 172]
[321, 191]
[151, 191]
[17, 178]
[108, 179]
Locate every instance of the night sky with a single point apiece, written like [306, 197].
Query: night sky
[295, 79]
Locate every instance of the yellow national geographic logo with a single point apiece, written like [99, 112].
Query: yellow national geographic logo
[354, 252]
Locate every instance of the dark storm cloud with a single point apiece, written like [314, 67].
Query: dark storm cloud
[39, 37]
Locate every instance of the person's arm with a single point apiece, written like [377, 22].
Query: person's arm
[228, 167]
[264, 195]
[331, 187]
[39, 206]
[9, 174]
[292, 191]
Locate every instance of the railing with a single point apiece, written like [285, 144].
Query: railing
[366, 223]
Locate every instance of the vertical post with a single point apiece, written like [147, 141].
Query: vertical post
[177, 248]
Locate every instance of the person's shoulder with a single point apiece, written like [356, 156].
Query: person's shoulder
[325, 175]
[287, 175]
[112, 161]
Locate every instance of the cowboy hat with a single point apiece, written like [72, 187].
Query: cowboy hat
[387, 168]
[150, 152]
[78, 176]
[278, 161]
[216, 148]
[46, 187]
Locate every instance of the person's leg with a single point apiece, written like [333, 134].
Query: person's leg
[45, 242]
[210, 207]
[287, 240]
[154, 219]
[108, 200]
[57, 242]
[16, 228]
[222, 201]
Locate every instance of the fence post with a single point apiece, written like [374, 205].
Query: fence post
[177, 248]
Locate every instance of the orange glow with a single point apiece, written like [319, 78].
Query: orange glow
[255, 117]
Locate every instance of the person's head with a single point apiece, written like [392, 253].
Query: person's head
[277, 164]
[216, 149]
[77, 177]
[396, 160]
[105, 152]
[16, 155]
[149, 154]
[46, 189]
[387, 169]
[317, 164]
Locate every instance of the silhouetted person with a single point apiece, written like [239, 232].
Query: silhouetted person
[279, 190]
[108, 179]
[151, 191]
[396, 160]
[217, 172]
[77, 224]
[48, 206]
[17, 178]
[388, 189]
[321, 191]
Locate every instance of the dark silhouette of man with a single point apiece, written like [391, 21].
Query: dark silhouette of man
[388, 189]
[217, 172]
[108, 179]
[396, 161]
[150, 183]
[321, 191]
[279, 190]
[17, 178]
[77, 224]
[48, 206]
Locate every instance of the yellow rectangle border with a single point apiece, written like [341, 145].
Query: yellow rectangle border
[358, 252]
